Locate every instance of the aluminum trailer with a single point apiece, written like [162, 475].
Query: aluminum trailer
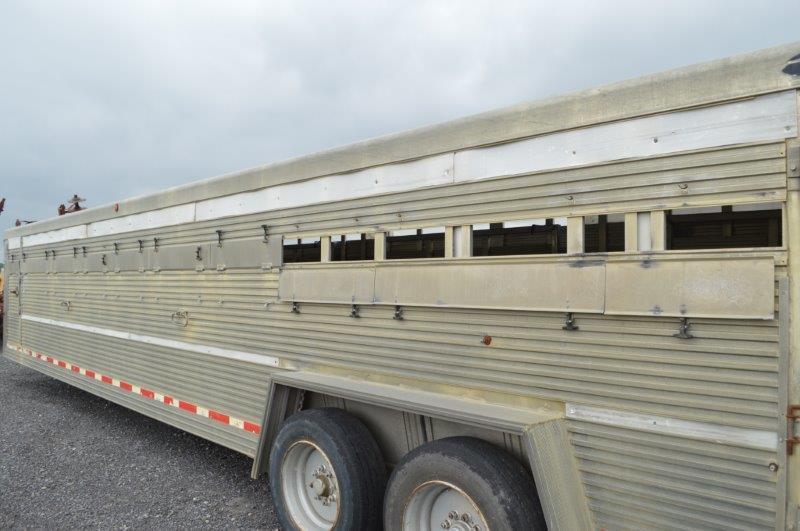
[573, 313]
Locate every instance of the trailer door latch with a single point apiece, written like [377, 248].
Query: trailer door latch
[683, 330]
[792, 416]
[569, 322]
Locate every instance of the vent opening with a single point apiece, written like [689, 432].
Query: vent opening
[725, 227]
[535, 236]
[415, 243]
[347, 247]
[604, 234]
[301, 250]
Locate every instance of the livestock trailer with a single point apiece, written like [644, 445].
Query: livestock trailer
[577, 313]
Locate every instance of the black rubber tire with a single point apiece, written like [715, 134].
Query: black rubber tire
[356, 458]
[499, 485]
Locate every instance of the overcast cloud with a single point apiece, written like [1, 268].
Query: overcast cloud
[117, 99]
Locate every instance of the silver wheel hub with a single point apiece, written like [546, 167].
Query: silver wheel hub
[439, 505]
[309, 487]
[459, 522]
[323, 485]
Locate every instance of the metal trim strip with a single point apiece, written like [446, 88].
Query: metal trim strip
[761, 439]
[159, 341]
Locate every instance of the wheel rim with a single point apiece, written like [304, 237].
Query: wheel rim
[439, 505]
[309, 487]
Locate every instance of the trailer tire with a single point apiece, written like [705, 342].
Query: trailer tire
[461, 483]
[326, 472]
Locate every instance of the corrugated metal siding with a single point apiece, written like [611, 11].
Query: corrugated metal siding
[144, 303]
[234, 388]
[638, 480]
[11, 312]
[225, 309]
[228, 436]
[726, 375]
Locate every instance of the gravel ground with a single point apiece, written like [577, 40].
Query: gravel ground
[69, 459]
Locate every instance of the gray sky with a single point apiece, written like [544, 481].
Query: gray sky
[117, 99]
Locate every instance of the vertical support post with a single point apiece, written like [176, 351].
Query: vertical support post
[575, 233]
[632, 231]
[658, 230]
[449, 237]
[783, 320]
[380, 246]
[462, 241]
[792, 241]
[325, 249]
[643, 230]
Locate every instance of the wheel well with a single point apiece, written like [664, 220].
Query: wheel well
[537, 438]
[398, 432]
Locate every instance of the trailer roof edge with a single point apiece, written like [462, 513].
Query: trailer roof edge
[741, 76]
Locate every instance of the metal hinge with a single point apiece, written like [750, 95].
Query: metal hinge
[792, 416]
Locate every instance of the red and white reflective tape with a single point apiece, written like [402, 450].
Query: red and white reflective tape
[141, 391]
